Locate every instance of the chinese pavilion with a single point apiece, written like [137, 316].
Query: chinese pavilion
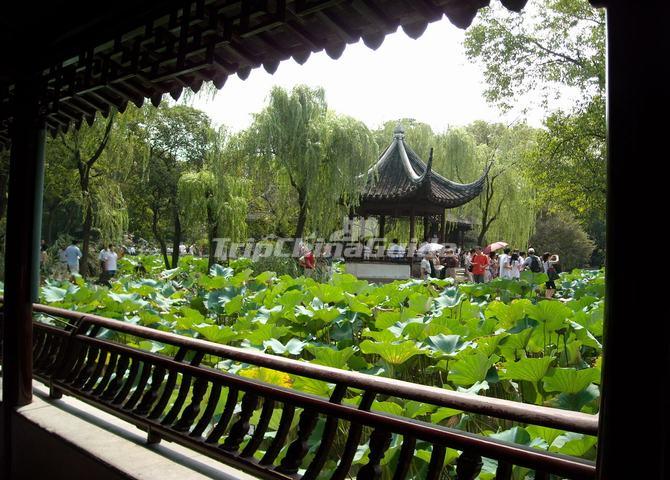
[400, 185]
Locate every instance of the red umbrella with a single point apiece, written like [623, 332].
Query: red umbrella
[494, 246]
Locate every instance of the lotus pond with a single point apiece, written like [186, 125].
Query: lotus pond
[500, 339]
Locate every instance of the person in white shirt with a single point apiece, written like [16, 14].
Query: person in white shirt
[425, 266]
[516, 264]
[72, 255]
[395, 250]
[109, 259]
[505, 269]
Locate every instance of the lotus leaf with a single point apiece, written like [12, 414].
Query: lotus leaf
[393, 353]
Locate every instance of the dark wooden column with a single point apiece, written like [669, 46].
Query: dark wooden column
[637, 93]
[22, 246]
[443, 227]
[412, 221]
[349, 229]
[426, 228]
[382, 226]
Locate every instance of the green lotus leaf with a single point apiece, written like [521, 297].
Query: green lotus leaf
[328, 293]
[489, 344]
[267, 375]
[470, 368]
[582, 401]
[168, 274]
[387, 407]
[53, 294]
[529, 369]
[393, 353]
[331, 357]
[216, 333]
[188, 318]
[292, 347]
[385, 319]
[312, 386]
[570, 380]
[477, 387]
[449, 298]
[551, 314]
[513, 435]
[264, 332]
[384, 336]
[234, 305]
[220, 271]
[328, 315]
[545, 433]
[415, 409]
[447, 344]
[573, 444]
[420, 303]
[355, 305]
[443, 413]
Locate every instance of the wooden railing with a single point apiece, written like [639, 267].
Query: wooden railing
[183, 398]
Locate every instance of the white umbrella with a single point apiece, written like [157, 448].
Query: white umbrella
[430, 248]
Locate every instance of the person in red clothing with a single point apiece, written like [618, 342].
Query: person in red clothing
[480, 263]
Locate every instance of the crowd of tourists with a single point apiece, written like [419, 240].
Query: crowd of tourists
[481, 267]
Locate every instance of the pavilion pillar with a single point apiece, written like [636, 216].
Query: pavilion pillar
[443, 228]
[426, 228]
[22, 246]
[412, 221]
[349, 228]
[382, 226]
[636, 94]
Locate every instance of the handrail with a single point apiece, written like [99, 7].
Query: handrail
[500, 408]
[228, 416]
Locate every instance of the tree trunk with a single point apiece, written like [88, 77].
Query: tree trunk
[49, 227]
[176, 239]
[212, 233]
[302, 219]
[159, 238]
[86, 239]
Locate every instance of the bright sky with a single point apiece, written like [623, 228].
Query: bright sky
[428, 79]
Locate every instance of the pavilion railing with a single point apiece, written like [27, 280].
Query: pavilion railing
[184, 398]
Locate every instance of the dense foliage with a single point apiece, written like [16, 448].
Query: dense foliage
[500, 339]
[553, 46]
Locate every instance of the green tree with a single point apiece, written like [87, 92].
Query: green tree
[95, 155]
[563, 46]
[504, 210]
[322, 156]
[560, 233]
[214, 197]
[176, 140]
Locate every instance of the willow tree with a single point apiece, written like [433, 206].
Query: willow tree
[176, 140]
[321, 155]
[96, 156]
[214, 198]
[505, 209]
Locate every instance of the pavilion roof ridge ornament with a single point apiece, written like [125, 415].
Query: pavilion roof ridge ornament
[399, 131]
[429, 167]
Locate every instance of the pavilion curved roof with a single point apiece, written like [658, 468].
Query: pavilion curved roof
[401, 176]
[80, 59]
